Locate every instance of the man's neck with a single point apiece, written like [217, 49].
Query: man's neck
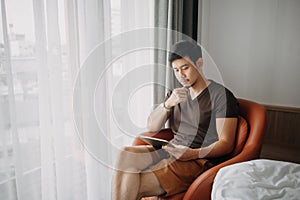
[198, 87]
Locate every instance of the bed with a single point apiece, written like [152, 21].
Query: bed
[260, 179]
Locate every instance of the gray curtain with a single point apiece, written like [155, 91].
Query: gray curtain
[181, 16]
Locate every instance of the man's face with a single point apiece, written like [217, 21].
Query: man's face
[185, 71]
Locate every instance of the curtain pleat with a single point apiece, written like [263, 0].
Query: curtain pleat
[46, 130]
[19, 188]
[56, 93]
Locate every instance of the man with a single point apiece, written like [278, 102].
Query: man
[203, 116]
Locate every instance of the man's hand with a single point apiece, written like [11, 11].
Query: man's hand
[182, 153]
[178, 95]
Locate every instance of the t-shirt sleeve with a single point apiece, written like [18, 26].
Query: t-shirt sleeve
[226, 105]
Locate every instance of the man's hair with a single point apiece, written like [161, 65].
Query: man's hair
[185, 48]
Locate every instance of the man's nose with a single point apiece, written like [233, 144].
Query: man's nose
[182, 74]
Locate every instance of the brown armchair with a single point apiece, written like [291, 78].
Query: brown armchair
[249, 138]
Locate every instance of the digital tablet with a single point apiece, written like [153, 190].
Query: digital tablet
[156, 142]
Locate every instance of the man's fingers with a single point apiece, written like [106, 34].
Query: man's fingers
[181, 90]
[181, 95]
[182, 99]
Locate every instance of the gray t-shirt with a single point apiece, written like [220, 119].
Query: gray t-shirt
[194, 121]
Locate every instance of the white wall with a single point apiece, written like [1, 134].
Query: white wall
[256, 46]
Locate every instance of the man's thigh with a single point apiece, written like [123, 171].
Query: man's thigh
[134, 159]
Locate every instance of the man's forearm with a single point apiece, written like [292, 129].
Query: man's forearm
[157, 119]
[217, 149]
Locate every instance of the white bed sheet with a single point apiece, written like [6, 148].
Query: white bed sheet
[258, 179]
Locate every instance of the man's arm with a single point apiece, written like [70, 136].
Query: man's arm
[226, 128]
[157, 118]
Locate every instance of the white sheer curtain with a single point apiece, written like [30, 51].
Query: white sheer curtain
[47, 148]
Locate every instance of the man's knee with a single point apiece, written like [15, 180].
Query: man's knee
[127, 149]
[125, 152]
[131, 157]
[138, 149]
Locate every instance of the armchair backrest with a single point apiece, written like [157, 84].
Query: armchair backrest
[255, 115]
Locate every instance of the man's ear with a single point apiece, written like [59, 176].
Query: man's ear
[199, 62]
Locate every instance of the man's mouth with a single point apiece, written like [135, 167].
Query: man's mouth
[185, 83]
[184, 80]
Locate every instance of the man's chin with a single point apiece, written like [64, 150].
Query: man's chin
[184, 83]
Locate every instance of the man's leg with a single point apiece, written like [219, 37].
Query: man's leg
[127, 180]
[149, 186]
